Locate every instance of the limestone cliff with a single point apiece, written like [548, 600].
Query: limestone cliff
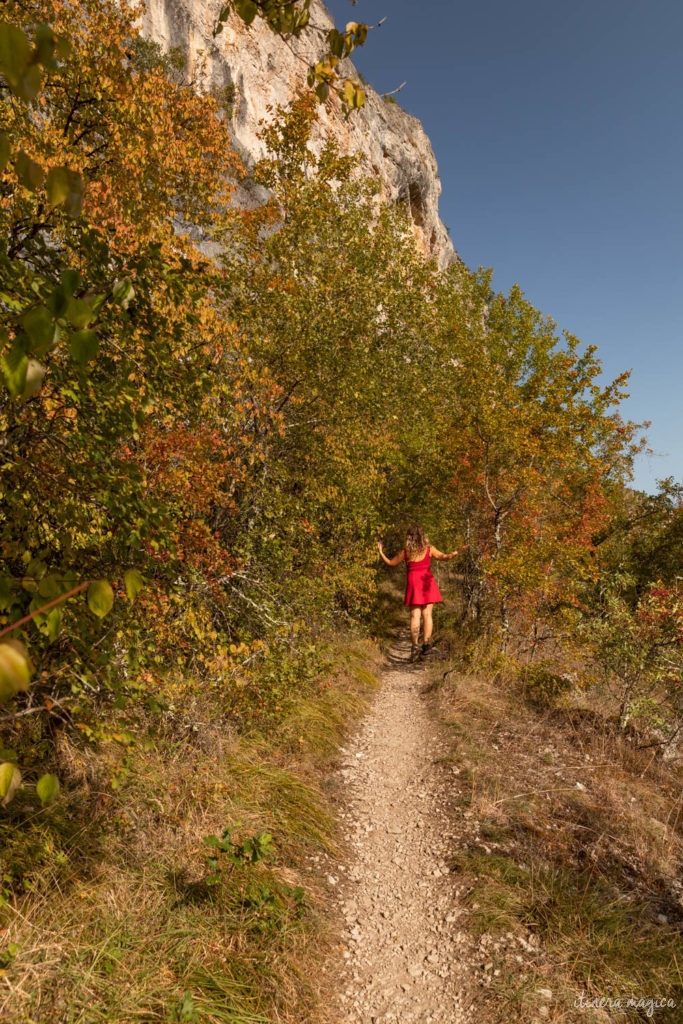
[266, 70]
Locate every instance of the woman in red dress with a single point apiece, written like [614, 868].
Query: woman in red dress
[422, 591]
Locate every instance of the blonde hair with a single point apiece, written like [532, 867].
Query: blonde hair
[416, 540]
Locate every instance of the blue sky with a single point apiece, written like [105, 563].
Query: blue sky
[557, 128]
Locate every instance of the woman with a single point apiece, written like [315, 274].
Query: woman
[422, 591]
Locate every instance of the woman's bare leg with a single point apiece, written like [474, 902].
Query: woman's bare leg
[415, 622]
[427, 624]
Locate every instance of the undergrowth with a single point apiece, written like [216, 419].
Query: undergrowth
[112, 908]
[569, 850]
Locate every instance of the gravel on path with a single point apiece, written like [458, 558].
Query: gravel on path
[405, 959]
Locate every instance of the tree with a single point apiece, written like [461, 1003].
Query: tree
[638, 653]
[115, 367]
[328, 287]
[531, 444]
[289, 19]
[199, 453]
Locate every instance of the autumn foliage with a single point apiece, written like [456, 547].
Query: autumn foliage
[204, 448]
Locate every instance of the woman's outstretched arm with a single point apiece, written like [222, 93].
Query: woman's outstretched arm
[440, 557]
[390, 561]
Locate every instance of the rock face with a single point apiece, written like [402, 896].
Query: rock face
[262, 69]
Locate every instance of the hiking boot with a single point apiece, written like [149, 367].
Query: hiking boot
[414, 652]
[426, 650]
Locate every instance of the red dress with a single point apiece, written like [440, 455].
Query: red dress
[421, 587]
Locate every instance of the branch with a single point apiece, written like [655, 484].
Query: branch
[44, 608]
[393, 91]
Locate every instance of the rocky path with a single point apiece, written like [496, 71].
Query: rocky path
[405, 958]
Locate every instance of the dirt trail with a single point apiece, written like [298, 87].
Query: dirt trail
[406, 959]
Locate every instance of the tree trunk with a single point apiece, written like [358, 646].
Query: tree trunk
[625, 707]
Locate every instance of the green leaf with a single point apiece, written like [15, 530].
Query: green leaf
[30, 83]
[65, 186]
[10, 780]
[73, 204]
[83, 346]
[6, 774]
[6, 592]
[352, 94]
[247, 10]
[35, 570]
[79, 312]
[50, 623]
[123, 292]
[14, 368]
[17, 62]
[47, 788]
[336, 42]
[45, 45]
[57, 185]
[48, 586]
[97, 301]
[15, 53]
[58, 301]
[186, 1010]
[15, 668]
[4, 151]
[70, 279]
[29, 173]
[134, 583]
[100, 598]
[213, 841]
[39, 324]
[359, 31]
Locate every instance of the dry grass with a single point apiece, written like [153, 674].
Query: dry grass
[569, 855]
[114, 920]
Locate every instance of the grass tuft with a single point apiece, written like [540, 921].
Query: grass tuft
[116, 914]
[569, 852]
